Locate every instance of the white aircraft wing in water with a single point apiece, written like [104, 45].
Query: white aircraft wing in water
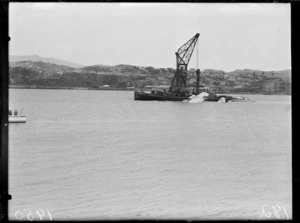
[222, 100]
[197, 98]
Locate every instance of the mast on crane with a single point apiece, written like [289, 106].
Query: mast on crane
[183, 56]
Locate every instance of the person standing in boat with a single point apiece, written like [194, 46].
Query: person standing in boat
[15, 112]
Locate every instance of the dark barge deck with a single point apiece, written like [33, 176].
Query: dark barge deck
[158, 96]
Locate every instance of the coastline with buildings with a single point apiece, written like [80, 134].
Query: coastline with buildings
[48, 75]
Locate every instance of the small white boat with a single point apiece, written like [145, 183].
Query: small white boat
[16, 118]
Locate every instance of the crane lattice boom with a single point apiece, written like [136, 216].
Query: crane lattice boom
[183, 56]
[184, 53]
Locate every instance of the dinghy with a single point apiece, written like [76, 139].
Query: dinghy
[17, 119]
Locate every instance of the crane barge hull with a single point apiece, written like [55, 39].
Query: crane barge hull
[138, 95]
[162, 96]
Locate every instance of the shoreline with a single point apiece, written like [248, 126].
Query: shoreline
[118, 89]
[67, 88]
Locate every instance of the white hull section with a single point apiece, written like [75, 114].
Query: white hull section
[16, 119]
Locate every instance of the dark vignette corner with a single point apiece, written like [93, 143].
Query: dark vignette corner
[295, 47]
[4, 39]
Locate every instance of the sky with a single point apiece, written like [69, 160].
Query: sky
[232, 35]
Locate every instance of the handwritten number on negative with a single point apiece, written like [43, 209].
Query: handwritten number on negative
[277, 209]
[30, 216]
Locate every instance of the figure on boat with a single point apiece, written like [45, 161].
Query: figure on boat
[16, 117]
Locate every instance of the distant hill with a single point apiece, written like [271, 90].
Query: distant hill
[41, 67]
[212, 71]
[13, 58]
[283, 73]
[98, 68]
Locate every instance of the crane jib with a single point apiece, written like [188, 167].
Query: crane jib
[183, 56]
[186, 50]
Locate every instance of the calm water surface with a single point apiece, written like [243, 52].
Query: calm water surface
[101, 155]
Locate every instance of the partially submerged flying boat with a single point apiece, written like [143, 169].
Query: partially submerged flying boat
[178, 89]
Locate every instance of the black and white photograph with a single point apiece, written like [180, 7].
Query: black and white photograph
[149, 111]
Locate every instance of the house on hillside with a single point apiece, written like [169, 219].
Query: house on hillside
[192, 80]
[238, 88]
[165, 82]
[223, 83]
[277, 85]
[222, 89]
[288, 89]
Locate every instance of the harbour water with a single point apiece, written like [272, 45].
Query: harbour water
[87, 154]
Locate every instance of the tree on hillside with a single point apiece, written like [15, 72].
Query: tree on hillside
[110, 79]
[171, 70]
[96, 68]
[122, 84]
[216, 83]
[152, 70]
[163, 70]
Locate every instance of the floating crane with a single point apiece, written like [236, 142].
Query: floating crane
[177, 90]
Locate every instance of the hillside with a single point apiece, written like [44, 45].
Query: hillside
[278, 74]
[38, 73]
[41, 67]
[13, 58]
[283, 74]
